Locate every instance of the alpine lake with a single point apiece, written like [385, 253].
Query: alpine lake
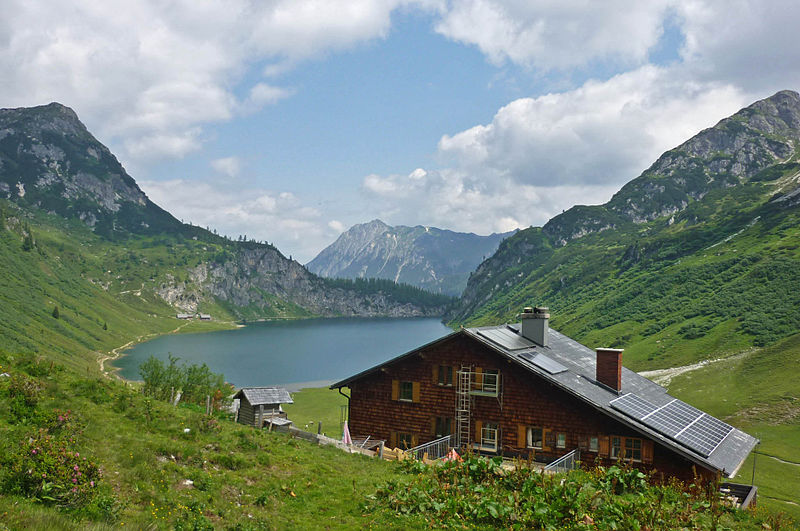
[293, 354]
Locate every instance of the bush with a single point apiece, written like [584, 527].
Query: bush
[47, 467]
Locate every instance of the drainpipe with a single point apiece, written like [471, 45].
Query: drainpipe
[348, 401]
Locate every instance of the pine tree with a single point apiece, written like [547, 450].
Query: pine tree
[105, 326]
[27, 242]
[56, 313]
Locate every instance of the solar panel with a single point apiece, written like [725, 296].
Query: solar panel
[633, 406]
[705, 434]
[677, 420]
[672, 418]
[543, 362]
[506, 338]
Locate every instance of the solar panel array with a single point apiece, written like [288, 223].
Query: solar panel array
[506, 338]
[543, 362]
[677, 420]
[633, 406]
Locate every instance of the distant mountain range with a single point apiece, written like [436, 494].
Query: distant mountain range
[434, 259]
[699, 254]
[75, 229]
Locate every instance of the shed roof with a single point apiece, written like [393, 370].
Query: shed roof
[575, 373]
[264, 395]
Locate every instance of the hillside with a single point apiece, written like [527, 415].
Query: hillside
[90, 233]
[689, 260]
[437, 260]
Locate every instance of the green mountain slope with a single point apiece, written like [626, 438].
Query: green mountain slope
[692, 259]
[78, 233]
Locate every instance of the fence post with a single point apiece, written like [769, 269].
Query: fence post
[208, 404]
[319, 428]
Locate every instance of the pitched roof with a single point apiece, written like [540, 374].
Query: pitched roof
[264, 395]
[572, 367]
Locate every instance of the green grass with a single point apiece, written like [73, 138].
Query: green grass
[242, 476]
[757, 392]
[313, 405]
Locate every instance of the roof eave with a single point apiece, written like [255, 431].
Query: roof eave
[346, 382]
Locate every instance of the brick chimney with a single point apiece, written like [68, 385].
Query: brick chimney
[609, 367]
[535, 324]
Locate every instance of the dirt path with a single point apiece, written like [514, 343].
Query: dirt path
[664, 376]
[117, 352]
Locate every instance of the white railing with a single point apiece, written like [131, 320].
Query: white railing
[435, 449]
[565, 463]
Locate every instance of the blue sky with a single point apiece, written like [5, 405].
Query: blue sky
[290, 120]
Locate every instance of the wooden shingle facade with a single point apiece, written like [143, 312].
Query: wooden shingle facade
[562, 401]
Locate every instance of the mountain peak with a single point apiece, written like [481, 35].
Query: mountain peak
[48, 159]
[728, 154]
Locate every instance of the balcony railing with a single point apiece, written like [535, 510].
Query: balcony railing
[435, 449]
[565, 463]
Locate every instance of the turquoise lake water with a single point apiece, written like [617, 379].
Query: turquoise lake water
[303, 353]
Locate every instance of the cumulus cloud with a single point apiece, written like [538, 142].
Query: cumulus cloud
[146, 76]
[556, 34]
[278, 217]
[457, 200]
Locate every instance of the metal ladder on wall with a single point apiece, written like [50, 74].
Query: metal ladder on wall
[463, 404]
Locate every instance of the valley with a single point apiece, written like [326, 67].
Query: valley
[691, 269]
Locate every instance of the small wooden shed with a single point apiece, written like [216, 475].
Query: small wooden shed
[257, 405]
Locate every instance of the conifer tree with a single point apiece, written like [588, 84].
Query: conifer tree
[56, 313]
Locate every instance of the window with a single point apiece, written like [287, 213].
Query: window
[626, 448]
[443, 426]
[616, 446]
[633, 449]
[405, 441]
[445, 375]
[535, 438]
[489, 437]
[406, 391]
[594, 444]
[561, 440]
[490, 378]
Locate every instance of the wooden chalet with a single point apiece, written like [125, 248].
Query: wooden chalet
[526, 390]
[259, 406]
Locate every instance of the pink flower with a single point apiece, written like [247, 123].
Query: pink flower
[91, 483]
[75, 468]
[60, 418]
[74, 480]
[33, 451]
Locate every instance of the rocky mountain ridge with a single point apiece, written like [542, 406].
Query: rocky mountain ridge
[430, 258]
[699, 247]
[728, 154]
[50, 162]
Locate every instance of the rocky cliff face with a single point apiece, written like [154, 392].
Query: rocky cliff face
[426, 257]
[50, 161]
[730, 153]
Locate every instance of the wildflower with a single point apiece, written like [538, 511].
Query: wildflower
[60, 418]
[74, 480]
[33, 451]
[75, 468]
[91, 483]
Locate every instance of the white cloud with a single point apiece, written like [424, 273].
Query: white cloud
[147, 75]
[228, 166]
[459, 201]
[277, 217]
[337, 226]
[601, 133]
[556, 34]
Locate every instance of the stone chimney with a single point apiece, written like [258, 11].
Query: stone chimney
[535, 324]
[609, 367]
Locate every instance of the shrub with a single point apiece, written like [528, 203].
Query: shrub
[49, 470]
